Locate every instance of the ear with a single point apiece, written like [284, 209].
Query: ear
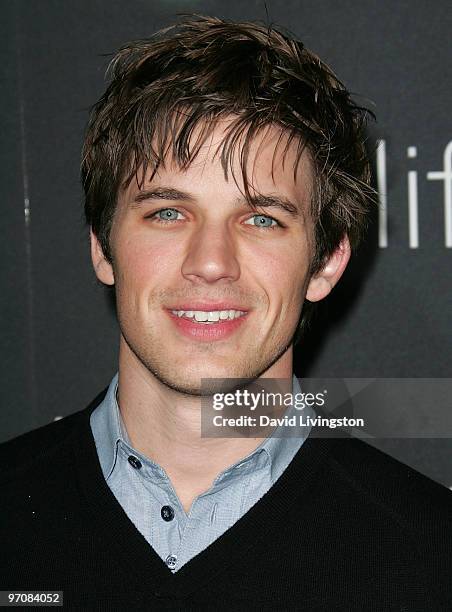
[324, 280]
[102, 268]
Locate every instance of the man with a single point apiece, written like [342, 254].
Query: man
[226, 185]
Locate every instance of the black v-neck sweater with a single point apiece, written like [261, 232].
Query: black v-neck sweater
[345, 527]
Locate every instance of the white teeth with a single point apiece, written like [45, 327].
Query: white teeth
[213, 316]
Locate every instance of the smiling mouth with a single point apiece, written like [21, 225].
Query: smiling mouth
[209, 317]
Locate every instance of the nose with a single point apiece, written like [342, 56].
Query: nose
[211, 255]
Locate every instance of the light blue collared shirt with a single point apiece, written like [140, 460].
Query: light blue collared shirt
[143, 490]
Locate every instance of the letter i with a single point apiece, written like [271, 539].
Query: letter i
[382, 195]
[413, 218]
[446, 176]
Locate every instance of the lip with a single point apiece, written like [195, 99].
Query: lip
[203, 332]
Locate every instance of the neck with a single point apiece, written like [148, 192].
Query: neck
[165, 425]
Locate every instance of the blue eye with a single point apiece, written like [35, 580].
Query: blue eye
[263, 221]
[167, 214]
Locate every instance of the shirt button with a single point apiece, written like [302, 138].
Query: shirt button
[167, 513]
[171, 561]
[134, 462]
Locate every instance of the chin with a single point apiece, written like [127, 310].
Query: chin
[204, 381]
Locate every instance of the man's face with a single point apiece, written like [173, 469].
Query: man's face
[188, 243]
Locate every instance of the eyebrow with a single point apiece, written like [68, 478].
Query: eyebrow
[260, 201]
[161, 193]
[271, 201]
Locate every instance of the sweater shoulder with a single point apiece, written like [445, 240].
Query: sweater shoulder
[389, 482]
[28, 452]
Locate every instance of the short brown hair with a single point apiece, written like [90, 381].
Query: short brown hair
[202, 69]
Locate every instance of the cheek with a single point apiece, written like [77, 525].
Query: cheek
[144, 268]
[281, 271]
[144, 264]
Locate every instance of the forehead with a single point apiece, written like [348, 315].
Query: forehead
[252, 162]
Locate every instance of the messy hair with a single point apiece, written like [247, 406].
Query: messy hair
[185, 78]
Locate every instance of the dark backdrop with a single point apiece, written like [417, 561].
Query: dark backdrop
[389, 317]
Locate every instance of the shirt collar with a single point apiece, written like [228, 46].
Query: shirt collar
[107, 429]
[280, 446]
[109, 432]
